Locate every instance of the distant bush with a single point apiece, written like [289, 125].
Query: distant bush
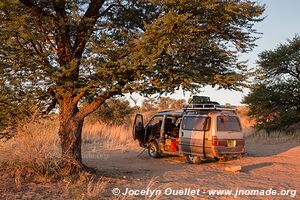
[114, 112]
[120, 112]
[15, 107]
[163, 103]
[149, 105]
[170, 103]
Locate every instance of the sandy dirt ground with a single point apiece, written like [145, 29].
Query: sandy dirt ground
[266, 166]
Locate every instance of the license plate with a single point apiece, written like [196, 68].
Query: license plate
[231, 143]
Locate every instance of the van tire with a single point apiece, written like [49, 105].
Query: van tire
[193, 159]
[223, 159]
[153, 150]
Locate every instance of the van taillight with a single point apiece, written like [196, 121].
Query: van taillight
[214, 141]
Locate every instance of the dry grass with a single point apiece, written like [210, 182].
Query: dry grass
[253, 135]
[39, 140]
[84, 187]
[101, 136]
[33, 151]
[33, 156]
[274, 137]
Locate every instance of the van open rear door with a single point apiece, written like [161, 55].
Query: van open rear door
[138, 129]
[191, 135]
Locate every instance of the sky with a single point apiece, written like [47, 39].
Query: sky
[281, 23]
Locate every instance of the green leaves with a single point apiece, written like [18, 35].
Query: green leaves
[283, 63]
[274, 101]
[116, 47]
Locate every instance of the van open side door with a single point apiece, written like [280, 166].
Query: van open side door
[192, 133]
[138, 130]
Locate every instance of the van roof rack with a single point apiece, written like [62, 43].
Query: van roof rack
[207, 106]
[204, 103]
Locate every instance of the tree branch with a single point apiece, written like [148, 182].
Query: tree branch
[78, 97]
[93, 9]
[93, 105]
[53, 103]
[86, 25]
[117, 89]
[51, 106]
[108, 8]
[48, 38]
[39, 52]
[59, 7]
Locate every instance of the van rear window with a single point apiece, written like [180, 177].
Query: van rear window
[194, 123]
[228, 123]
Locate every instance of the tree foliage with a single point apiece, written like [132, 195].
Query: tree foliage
[12, 110]
[125, 46]
[93, 50]
[274, 100]
[16, 106]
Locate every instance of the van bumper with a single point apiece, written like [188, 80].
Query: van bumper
[228, 151]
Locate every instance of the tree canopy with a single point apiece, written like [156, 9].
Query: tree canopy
[92, 50]
[274, 100]
[115, 47]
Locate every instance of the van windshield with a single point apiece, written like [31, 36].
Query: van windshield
[228, 123]
[195, 123]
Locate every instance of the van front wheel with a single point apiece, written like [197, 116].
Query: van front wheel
[193, 159]
[153, 150]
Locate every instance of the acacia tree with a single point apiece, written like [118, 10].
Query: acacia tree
[97, 49]
[274, 99]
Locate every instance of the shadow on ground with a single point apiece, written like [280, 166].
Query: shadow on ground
[261, 149]
[249, 168]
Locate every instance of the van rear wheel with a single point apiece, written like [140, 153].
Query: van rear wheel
[193, 159]
[153, 150]
[222, 159]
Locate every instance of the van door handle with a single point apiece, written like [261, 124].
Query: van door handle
[182, 133]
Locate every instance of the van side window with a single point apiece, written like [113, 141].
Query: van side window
[228, 123]
[195, 123]
[156, 120]
[169, 124]
[155, 126]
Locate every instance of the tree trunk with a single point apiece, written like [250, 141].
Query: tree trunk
[70, 130]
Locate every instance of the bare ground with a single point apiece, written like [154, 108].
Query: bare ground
[275, 166]
[266, 166]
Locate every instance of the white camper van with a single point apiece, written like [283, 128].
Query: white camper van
[203, 129]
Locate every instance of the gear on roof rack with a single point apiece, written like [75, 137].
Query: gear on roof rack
[204, 103]
[200, 99]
